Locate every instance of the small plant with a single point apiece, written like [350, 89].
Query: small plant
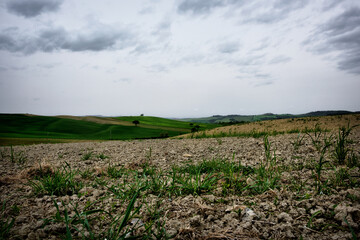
[353, 234]
[87, 156]
[15, 210]
[17, 157]
[341, 149]
[322, 146]
[353, 160]
[310, 222]
[60, 183]
[318, 133]
[118, 229]
[157, 184]
[79, 223]
[87, 174]
[113, 172]
[102, 156]
[267, 175]
[298, 142]
[195, 183]
[5, 223]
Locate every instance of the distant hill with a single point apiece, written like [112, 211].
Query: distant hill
[43, 128]
[228, 119]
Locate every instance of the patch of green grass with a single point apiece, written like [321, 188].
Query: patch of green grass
[342, 149]
[102, 156]
[267, 176]
[80, 223]
[60, 182]
[196, 183]
[17, 157]
[114, 172]
[299, 141]
[87, 156]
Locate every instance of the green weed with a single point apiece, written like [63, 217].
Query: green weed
[267, 176]
[341, 144]
[298, 142]
[81, 222]
[17, 157]
[311, 219]
[102, 156]
[353, 160]
[113, 172]
[87, 156]
[195, 184]
[60, 183]
[5, 223]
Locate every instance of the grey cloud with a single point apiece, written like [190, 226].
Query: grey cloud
[345, 22]
[3, 68]
[340, 34]
[261, 75]
[329, 4]
[199, 6]
[270, 12]
[249, 11]
[263, 44]
[19, 68]
[350, 63]
[158, 68]
[228, 47]
[142, 48]
[32, 8]
[163, 30]
[280, 59]
[250, 60]
[48, 65]
[264, 83]
[122, 80]
[146, 10]
[49, 40]
[194, 58]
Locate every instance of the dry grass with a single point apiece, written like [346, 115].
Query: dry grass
[331, 123]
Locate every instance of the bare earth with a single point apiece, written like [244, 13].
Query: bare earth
[275, 214]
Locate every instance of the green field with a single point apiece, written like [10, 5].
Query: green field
[14, 127]
[164, 123]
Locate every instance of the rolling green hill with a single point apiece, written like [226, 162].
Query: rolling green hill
[163, 122]
[20, 126]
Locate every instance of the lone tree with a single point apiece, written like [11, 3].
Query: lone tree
[195, 128]
[136, 122]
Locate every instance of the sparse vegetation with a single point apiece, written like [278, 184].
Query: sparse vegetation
[5, 223]
[341, 144]
[61, 182]
[188, 188]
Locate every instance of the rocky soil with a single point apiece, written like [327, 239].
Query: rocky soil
[294, 210]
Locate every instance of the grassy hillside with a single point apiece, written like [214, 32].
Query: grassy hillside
[217, 119]
[281, 126]
[17, 126]
[163, 122]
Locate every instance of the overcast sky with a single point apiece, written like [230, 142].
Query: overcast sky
[181, 58]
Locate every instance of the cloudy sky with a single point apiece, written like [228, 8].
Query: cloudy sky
[179, 58]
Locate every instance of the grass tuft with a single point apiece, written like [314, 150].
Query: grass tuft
[60, 182]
